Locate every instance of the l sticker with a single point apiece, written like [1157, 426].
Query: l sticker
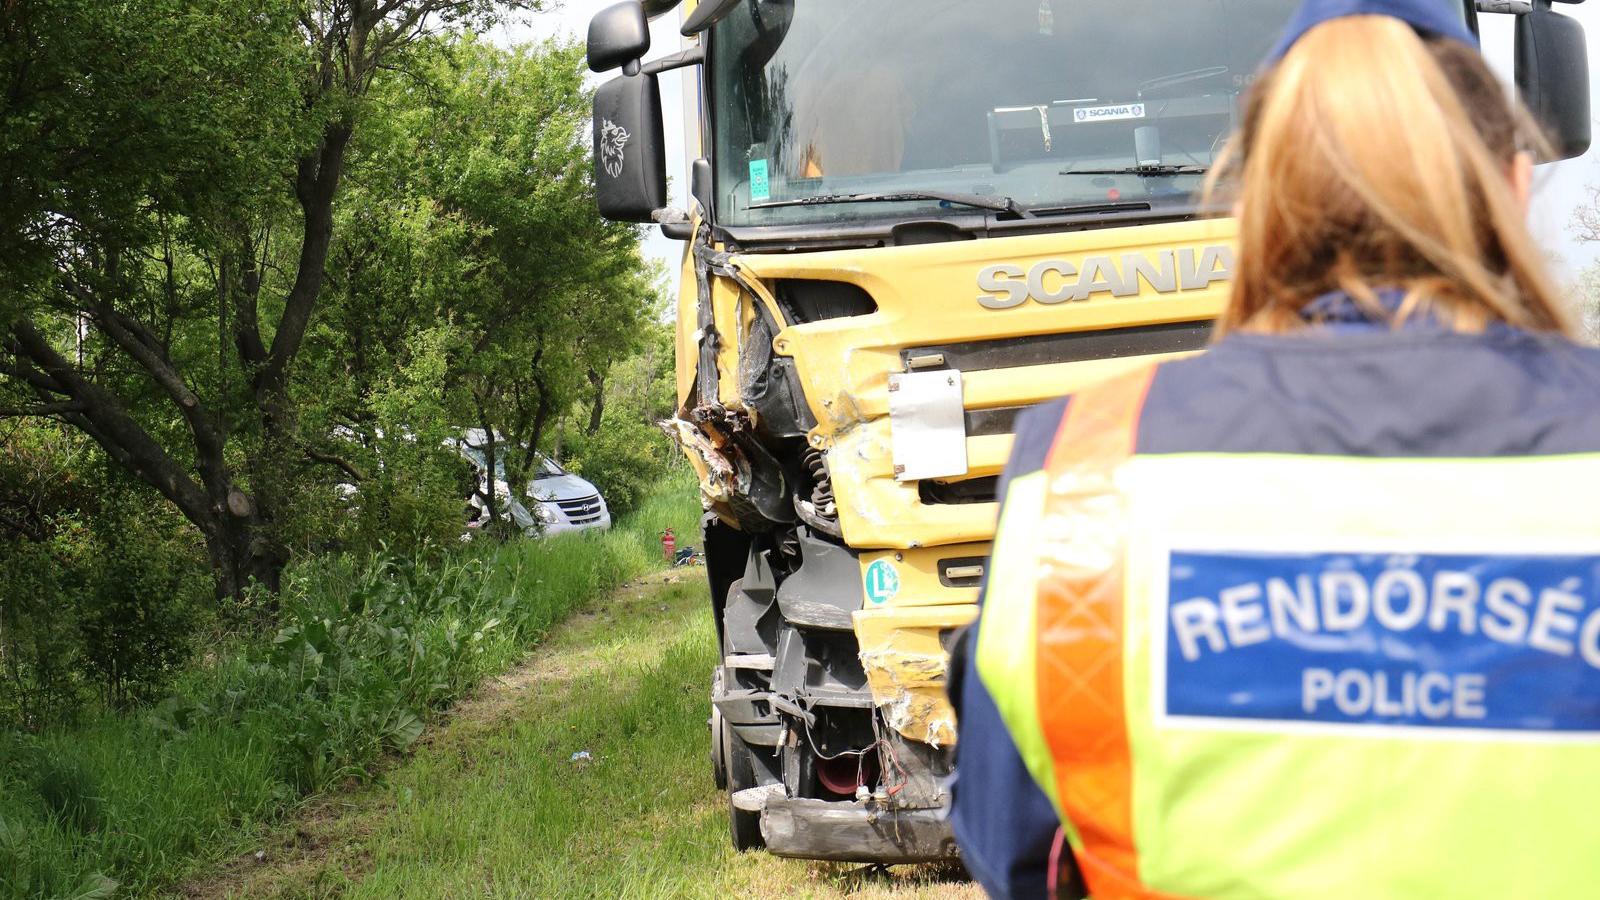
[883, 582]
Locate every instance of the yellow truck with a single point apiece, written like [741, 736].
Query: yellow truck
[911, 220]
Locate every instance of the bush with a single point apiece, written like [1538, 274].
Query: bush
[102, 588]
[147, 596]
[627, 460]
[369, 647]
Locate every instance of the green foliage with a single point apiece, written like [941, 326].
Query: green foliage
[167, 171]
[626, 459]
[628, 455]
[472, 220]
[101, 592]
[369, 649]
[145, 599]
[156, 103]
[231, 232]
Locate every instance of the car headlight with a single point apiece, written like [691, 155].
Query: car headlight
[545, 514]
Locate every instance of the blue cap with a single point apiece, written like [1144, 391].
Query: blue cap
[1440, 18]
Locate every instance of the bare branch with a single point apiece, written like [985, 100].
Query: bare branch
[339, 463]
[41, 410]
[1585, 224]
[108, 422]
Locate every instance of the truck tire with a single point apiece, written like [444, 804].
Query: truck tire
[743, 827]
[719, 762]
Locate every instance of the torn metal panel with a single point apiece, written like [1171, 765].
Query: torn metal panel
[737, 473]
[903, 654]
[717, 473]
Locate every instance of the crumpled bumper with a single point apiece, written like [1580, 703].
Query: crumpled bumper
[850, 831]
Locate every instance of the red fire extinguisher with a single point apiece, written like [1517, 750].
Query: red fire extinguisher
[669, 545]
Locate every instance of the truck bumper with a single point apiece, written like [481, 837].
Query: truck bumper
[851, 831]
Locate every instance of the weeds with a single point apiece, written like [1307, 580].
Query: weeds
[367, 649]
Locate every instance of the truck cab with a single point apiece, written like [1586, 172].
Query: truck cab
[910, 222]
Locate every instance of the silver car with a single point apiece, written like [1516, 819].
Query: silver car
[560, 500]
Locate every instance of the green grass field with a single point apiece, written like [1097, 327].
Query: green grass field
[494, 806]
[368, 655]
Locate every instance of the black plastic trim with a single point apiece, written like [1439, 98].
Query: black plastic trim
[1072, 346]
[983, 422]
[881, 232]
[959, 493]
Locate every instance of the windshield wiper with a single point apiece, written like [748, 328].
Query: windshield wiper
[1168, 82]
[977, 201]
[1144, 171]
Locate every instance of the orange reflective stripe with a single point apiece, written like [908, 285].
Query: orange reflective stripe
[1079, 609]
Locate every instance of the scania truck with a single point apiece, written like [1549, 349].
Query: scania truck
[908, 221]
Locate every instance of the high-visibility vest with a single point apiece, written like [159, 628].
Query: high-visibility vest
[1302, 675]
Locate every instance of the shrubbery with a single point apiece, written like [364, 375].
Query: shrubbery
[627, 460]
[368, 648]
[627, 457]
[101, 592]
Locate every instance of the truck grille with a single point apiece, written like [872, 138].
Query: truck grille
[1044, 349]
[581, 511]
[1036, 350]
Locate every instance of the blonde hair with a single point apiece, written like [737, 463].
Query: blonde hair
[1372, 159]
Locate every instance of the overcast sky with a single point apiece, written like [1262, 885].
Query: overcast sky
[1560, 186]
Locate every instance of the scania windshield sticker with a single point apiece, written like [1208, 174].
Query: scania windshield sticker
[1497, 642]
[613, 140]
[1108, 113]
[760, 184]
[883, 582]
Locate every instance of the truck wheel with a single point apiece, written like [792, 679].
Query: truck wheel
[743, 827]
[719, 762]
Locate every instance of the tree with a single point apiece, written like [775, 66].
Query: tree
[168, 182]
[485, 168]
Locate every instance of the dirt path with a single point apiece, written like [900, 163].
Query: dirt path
[500, 800]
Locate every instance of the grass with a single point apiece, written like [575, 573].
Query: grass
[493, 805]
[369, 652]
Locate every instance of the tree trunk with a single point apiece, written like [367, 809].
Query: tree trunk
[491, 496]
[597, 406]
[241, 554]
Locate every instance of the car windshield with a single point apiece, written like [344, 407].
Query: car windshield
[1052, 103]
[543, 466]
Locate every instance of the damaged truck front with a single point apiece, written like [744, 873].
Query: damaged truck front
[908, 222]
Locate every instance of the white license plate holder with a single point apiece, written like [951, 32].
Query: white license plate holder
[928, 425]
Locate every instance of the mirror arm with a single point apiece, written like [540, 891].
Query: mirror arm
[707, 14]
[693, 56]
[675, 223]
[1512, 7]
[653, 8]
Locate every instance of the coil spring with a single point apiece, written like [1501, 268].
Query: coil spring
[822, 490]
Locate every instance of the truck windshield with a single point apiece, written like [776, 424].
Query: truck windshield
[1052, 103]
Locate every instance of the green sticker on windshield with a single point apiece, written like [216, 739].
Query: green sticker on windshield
[760, 187]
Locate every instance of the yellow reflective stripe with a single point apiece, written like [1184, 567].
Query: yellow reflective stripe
[1007, 659]
[1225, 813]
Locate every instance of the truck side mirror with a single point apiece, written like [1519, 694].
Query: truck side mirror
[1553, 77]
[618, 36]
[630, 149]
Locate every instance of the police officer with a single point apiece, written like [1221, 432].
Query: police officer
[1315, 613]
